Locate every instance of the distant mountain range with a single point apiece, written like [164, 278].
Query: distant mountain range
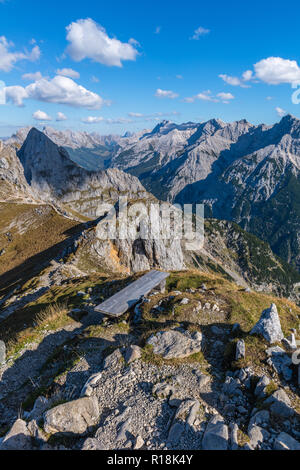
[241, 172]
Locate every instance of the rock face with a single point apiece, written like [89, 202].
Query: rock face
[74, 417]
[269, 325]
[175, 344]
[54, 177]
[18, 438]
[216, 435]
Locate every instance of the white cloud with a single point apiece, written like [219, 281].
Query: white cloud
[95, 79]
[200, 32]
[275, 70]
[247, 75]
[236, 81]
[8, 59]
[166, 94]
[269, 98]
[281, 112]
[225, 97]
[41, 116]
[92, 119]
[62, 90]
[68, 73]
[90, 40]
[16, 94]
[157, 30]
[61, 116]
[138, 115]
[207, 96]
[180, 77]
[32, 76]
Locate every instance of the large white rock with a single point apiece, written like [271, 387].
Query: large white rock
[17, 438]
[216, 435]
[269, 325]
[175, 344]
[74, 417]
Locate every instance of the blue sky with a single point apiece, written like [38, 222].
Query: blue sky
[131, 64]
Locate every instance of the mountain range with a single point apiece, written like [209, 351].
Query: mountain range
[244, 173]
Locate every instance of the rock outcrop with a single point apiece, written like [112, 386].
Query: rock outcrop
[269, 325]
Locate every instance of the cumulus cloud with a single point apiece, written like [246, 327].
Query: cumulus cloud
[225, 97]
[68, 73]
[89, 40]
[275, 70]
[281, 112]
[15, 94]
[62, 90]
[200, 32]
[236, 81]
[41, 116]
[166, 94]
[32, 76]
[207, 96]
[272, 70]
[61, 116]
[92, 119]
[8, 58]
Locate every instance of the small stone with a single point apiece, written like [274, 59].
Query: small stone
[132, 353]
[90, 384]
[240, 350]
[139, 442]
[185, 301]
[260, 387]
[2, 352]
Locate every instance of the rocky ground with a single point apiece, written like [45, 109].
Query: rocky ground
[177, 373]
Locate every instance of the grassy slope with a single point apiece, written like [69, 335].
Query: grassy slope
[29, 238]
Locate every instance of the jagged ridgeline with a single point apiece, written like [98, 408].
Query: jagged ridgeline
[241, 172]
[42, 176]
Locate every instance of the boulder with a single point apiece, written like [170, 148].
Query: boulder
[163, 390]
[17, 438]
[187, 411]
[234, 436]
[74, 417]
[92, 444]
[269, 325]
[260, 387]
[216, 435]
[240, 350]
[259, 418]
[280, 361]
[257, 436]
[41, 404]
[139, 442]
[176, 344]
[286, 442]
[132, 353]
[280, 404]
[112, 360]
[290, 342]
[90, 384]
